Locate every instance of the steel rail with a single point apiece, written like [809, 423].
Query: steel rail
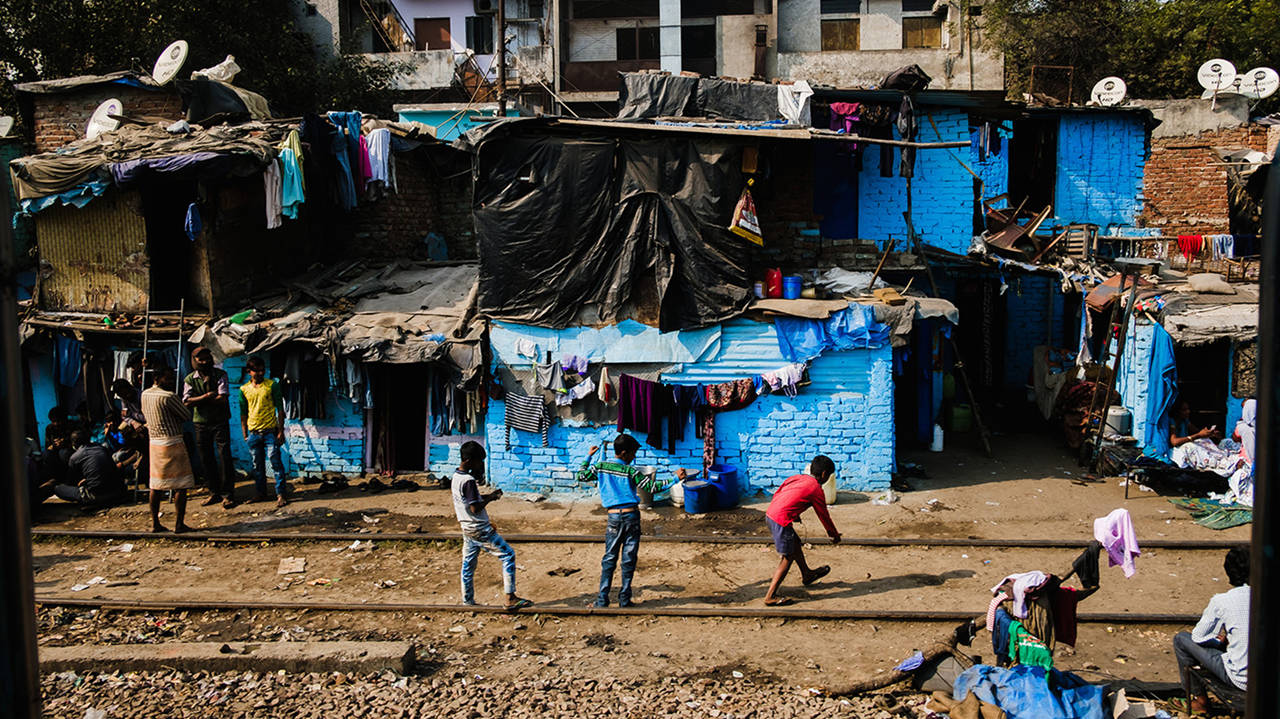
[1187, 544]
[56, 600]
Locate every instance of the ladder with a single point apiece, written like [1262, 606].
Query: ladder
[147, 375]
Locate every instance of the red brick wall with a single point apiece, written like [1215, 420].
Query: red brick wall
[61, 118]
[434, 195]
[1185, 184]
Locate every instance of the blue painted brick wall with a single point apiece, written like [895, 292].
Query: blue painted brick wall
[942, 190]
[1101, 158]
[846, 413]
[994, 170]
[1028, 324]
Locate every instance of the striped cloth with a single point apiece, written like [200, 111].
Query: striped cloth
[165, 413]
[528, 414]
[170, 464]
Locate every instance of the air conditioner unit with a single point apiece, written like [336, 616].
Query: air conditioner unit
[486, 7]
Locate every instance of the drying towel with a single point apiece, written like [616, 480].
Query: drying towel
[574, 363]
[577, 392]
[550, 377]
[1190, 245]
[1086, 565]
[1064, 601]
[1224, 246]
[1022, 584]
[526, 348]
[528, 414]
[784, 378]
[1115, 532]
[606, 392]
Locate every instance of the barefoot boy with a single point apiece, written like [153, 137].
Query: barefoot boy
[795, 495]
[477, 532]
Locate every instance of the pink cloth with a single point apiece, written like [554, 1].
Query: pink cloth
[1115, 533]
[1022, 584]
[366, 168]
[991, 610]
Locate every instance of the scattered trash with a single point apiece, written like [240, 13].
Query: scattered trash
[911, 663]
[92, 713]
[369, 520]
[737, 674]
[359, 546]
[531, 497]
[458, 629]
[292, 565]
[993, 504]
[194, 568]
[79, 587]
[322, 582]
[126, 548]
[385, 584]
[964, 556]
[885, 499]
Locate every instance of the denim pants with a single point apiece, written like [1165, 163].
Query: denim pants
[621, 537]
[258, 446]
[488, 540]
[214, 443]
[1207, 656]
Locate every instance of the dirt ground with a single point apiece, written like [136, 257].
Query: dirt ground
[1032, 491]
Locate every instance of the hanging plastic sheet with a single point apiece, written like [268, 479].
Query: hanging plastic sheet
[649, 95]
[1162, 391]
[800, 340]
[567, 223]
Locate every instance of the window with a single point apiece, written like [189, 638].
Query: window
[917, 5]
[638, 43]
[712, 8]
[614, 8]
[839, 35]
[840, 6]
[432, 33]
[921, 32]
[480, 34]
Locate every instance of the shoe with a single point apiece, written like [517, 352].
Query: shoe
[212, 500]
[818, 573]
[629, 603]
[599, 605]
[778, 602]
[518, 604]
[281, 501]
[230, 503]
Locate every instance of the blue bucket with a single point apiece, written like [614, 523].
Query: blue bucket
[724, 477]
[791, 286]
[699, 496]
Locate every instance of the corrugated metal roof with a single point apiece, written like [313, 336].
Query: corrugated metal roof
[97, 256]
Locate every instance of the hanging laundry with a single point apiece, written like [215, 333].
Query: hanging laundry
[908, 127]
[606, 393]
[1224, 246]
[1026, 649]
[641, 407]
[577, 392]
[526, 348]
[379, 142]
[293, 143]
[1115, 533]
[193, 224]
[723, 397]
[272, 186]
[999, 628]
[1190, 245]
[528, 414]
[366, 168]
[67, 360]
[574, 363]
[996, 601]
[1065, 601]
[120, 365]
[1086, 565]
[784, 378]
[550, 377]
[844, 117]
[345, 145]
[686, 399]
[292, 193]
[1023, 584]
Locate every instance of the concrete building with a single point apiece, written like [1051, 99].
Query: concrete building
[856, 43]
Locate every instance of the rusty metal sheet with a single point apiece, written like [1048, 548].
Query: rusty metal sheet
[94, 259]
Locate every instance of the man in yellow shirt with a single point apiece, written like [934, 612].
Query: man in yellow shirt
[262, 421]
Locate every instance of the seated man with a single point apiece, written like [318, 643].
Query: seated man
[1194, 447]
[1220, 642]
[95, 475]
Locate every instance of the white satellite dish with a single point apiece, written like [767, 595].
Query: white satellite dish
[1259, 82]
[1216, 75]
[1109, 91]
[169, 62]
[6, 124]
[101, 121]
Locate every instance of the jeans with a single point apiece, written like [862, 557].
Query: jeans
[258, 446]
[68, 493]
[1207, 656]
[490, 541]
[621, 537]
[214, 443]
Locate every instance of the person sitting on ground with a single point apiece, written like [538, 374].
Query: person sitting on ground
[57, 446]
[477, 532]
[130, 404]
[93, 479]
[617, 482]
[1220, 642]
[1240, 483]
[797, 494]
[170, 465]
[1193, 447]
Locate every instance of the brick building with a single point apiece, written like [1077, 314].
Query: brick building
[58, 111]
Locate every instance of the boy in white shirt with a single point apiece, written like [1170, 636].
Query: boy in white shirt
[477, 533]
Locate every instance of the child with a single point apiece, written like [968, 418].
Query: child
[618, 482]
[795, 495]
[477, 532]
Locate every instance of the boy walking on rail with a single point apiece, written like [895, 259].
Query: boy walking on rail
[617, 482]
[477, 533]
[797, 494]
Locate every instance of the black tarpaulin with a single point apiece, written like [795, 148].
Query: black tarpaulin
[567, 223]
[210, 100]
[738, 100]
[650, 95]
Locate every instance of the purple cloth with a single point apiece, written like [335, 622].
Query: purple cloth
[130, 171]
[574, 363]
[641, 407]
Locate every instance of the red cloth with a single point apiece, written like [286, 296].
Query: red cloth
[1064, 602]
[795, 495]
[1190, 246]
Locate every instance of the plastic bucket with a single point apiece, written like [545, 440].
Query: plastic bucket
[792, 286]
[677, 494]
[699, 496]
[646, 497]
[724, 477]
[961, 418]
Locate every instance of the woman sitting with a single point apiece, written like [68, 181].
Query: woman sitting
[1196, 448]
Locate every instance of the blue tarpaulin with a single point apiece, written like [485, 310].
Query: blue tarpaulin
[1161, 393]
[1025, 692]
[855, 327]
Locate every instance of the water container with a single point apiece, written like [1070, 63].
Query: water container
[792, 285]
[646, 497]
[699, 496]
[677, 494]
[1119, 420]
[937, 439]
[829, 489]
[773, 282]
[724, 477]
[961, 418]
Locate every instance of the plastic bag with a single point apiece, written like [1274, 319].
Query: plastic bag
[745, 222]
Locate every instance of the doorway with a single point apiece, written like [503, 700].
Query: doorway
[171, 252]
[1033, 162]
[397, 423]
[1203, 373]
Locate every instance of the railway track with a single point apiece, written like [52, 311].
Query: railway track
[1192, 545]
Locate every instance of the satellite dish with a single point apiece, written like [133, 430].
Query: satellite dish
[1109, 91]
[169, 62]
[6, 124]
[101, 121]
[1259, 82]
[1216, 75]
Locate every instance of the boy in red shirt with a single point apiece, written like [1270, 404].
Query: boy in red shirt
[795, 495]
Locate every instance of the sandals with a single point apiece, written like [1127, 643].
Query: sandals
[1184, 706]
[518, 604]
[817, 574]
[779, 602]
